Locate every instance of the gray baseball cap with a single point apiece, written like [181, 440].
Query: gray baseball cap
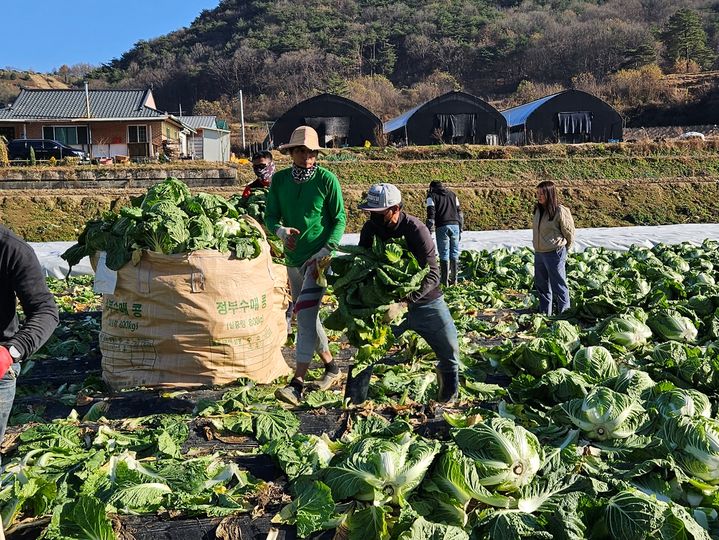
[380, 197]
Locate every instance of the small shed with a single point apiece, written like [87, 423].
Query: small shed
[211, 142]
[568, 117]
[453, 118]
[339, 122]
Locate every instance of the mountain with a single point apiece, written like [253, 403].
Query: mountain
[393, 54]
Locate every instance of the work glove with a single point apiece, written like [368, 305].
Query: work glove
[5, 361]
[288, 235]
[430, 225]
[394, 311]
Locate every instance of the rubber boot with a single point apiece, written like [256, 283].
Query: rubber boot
[453, 271]
[444, 272]
[357, 387]
[448, 386]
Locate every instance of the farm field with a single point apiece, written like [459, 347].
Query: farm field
[598, 425]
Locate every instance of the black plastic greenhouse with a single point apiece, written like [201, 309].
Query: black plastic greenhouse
[452, 118]
[339, 122]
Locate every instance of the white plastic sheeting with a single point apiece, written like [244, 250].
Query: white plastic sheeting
[618, 238]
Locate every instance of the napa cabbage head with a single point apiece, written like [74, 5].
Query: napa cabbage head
[380, 470]
[595, 363]
[627, 331]
[226, 227]
[563, 332]
[506, 455]
[537, 356]
[669, 324]
[632, 382]
[605, 414]
[670, 402]
[558, 386]
[694, 443]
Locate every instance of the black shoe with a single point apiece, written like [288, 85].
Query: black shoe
[453, 271]
[448, 387]
[444, 272]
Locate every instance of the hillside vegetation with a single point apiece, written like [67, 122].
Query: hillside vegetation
[12, 80]
[392, 55]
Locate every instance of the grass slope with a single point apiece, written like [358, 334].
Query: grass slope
[604, 185]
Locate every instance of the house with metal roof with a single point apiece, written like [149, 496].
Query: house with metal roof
[211, 140]
[571, 116]
[103, 123]
[452, 118]
[339, 122]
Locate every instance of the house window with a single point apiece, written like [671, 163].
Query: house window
[66, 134]
[137, 134]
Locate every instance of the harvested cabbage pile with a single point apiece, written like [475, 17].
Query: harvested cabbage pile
[167, 219]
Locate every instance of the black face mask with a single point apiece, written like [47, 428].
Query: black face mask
[378, 219]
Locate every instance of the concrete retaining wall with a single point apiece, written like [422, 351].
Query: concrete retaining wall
[112, 178]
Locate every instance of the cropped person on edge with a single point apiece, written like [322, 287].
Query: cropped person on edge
[306, 211]
[552, 237]
[21, 278]
[427, 312]
[264, 167]
[445, 217]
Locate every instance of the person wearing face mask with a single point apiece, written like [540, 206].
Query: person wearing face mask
[427, 312]
[306, 211]
[264, 167]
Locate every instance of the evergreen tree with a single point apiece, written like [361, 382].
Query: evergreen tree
[337, 84]
[33, 160]
[641, 55]
[685, 39]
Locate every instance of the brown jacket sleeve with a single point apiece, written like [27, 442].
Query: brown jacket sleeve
[566, 225]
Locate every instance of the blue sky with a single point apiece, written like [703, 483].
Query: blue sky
[44, 34]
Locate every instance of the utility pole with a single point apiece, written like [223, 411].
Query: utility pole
[242, 120]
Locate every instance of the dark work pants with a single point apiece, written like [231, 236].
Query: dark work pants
[434, 323]
[550, 280]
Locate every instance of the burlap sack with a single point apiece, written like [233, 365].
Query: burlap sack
[197, 319]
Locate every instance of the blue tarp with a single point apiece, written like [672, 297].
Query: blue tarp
[516, 116]
[400, 121]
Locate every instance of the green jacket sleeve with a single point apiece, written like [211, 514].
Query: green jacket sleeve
[272, 208]
[336, 211]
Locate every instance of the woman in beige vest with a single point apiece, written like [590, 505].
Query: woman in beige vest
[552, 236]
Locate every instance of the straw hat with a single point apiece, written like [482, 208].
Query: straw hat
[303, 136]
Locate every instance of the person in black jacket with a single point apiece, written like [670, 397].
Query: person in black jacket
[427, 312]
[445, 216]
[21, 278]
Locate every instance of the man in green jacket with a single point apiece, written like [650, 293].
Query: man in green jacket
[305, 209]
